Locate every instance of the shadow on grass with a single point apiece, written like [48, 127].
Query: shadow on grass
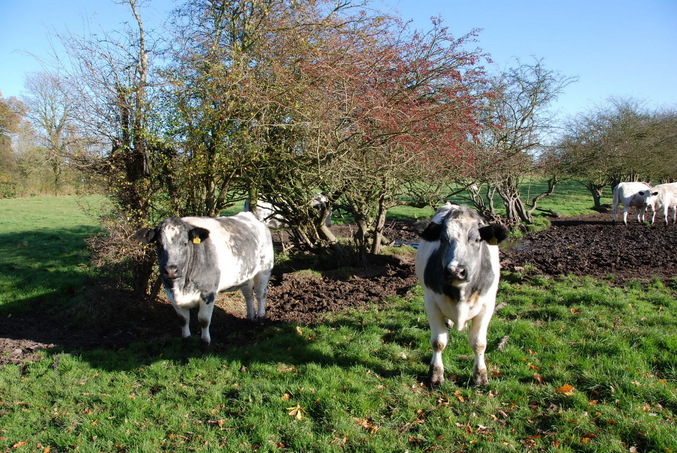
[37, 265]
[72, 313]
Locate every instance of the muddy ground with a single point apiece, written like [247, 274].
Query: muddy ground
[586, 245]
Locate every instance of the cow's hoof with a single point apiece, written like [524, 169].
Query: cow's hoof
[205, 346]
[435, 377]
[481, 377]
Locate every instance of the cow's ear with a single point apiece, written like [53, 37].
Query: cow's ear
[432, 232]
[198, 235]
[145, 235]
[494, 234]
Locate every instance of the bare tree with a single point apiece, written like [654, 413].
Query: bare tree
[12, 112]
[50, 109]
[619, 141]
[515, 132]
[109, 81]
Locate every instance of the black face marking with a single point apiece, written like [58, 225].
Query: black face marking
[463, 241]
[186, 257]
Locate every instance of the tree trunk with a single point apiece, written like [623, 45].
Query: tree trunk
[378, 238]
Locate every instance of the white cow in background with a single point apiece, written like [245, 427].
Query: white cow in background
[664, 197]
[634, 194]
[269, 213]
[266, 213]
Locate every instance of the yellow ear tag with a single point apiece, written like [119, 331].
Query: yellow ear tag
[493, 241]
[196, 240]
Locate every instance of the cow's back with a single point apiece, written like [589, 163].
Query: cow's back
[627, 190]
[667, 193]
[242, 244]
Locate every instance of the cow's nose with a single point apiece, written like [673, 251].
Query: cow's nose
[458, 273]
[171, 272]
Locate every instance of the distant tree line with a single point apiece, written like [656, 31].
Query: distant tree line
[273, 100]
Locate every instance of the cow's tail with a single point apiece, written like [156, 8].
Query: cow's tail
[616, 201]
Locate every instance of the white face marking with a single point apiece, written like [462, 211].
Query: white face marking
[171, 232]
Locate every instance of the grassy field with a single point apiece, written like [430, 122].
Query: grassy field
[42, 248]
[582, 367]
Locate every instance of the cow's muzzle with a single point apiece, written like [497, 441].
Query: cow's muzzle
[458, 273]
[171, 272]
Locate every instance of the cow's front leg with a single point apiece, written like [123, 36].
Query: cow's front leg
[184, 319]
[439, 336]
[204, 318]
[477, 338]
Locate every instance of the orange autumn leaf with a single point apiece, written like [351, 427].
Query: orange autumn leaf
[368, 424]
[566, 389]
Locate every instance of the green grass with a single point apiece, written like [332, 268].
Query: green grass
[585, 367]
[355, 383]
[42, 248]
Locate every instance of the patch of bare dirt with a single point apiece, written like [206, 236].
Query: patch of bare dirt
[586, 245]
[591, 245]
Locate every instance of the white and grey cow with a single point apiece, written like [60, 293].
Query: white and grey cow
[266, 213]
[202, 256]
[269, 214]
[664, 197]
[635, 194]
[458, 266]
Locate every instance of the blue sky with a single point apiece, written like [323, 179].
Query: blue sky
[621, 48]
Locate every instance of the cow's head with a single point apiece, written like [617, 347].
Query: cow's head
[650, 198]
[462, 255]
[175, 240]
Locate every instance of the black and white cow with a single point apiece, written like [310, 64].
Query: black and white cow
[201, 256]
[458, 266]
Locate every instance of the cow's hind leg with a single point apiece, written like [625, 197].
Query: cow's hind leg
[439, 336]
[204, 318]
[261, 290]
[247, 289]
[477, 338]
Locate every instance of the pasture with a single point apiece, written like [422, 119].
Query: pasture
[575, 364]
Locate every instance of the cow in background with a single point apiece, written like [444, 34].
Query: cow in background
[664, 197]
[266, 213]
[457, 264]
[635, 194]
[269, 214]
[202, 256]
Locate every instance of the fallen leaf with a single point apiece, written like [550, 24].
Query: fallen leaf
[566, 389]
[503, 342]
[368, 424]
[296, 412]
